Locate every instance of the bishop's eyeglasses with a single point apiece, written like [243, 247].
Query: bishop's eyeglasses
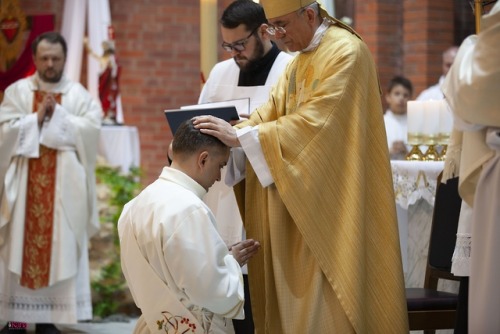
[280, 31]
[276, 31]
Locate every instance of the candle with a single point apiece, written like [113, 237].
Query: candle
[445, 122]
[415, 114]
[445, 119]
[431, 121]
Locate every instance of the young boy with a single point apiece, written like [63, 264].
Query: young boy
[398, 93]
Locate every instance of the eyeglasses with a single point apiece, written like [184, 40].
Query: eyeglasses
[280, 31]
[238, 46]
[276, 30]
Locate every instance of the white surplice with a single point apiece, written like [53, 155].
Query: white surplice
[433, 92]
[396, 128]
[73, 131]
[176, 234]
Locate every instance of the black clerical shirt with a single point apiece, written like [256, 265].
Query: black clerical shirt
[257, 74]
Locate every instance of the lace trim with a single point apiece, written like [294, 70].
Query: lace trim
[44, 304]
[409, 189]
[461, 256]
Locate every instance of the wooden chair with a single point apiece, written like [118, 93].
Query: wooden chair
[428, 308]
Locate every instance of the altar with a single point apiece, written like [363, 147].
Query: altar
[414, 189]
[119, 146]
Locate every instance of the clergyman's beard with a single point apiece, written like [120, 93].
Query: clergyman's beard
[257, 55]
[52, 79]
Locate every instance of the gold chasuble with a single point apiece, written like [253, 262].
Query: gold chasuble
[330, 260]
[39, 213]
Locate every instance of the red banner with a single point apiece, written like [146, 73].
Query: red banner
[24, 66]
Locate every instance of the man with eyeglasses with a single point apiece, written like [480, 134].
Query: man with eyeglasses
[318, 189]
[256, 61]
[254, 68]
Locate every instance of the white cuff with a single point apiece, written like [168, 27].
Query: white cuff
[28, 144]
[236, 167]
[249, 140]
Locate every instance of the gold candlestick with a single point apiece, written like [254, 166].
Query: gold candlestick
[431, 154]
[415, 154]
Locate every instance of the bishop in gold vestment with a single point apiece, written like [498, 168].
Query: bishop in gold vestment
[330, 260]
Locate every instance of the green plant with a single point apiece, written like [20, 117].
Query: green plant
[110, 282]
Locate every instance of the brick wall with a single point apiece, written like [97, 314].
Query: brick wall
[407, 37]
[379, 22]
[157, 43]
[428, 31]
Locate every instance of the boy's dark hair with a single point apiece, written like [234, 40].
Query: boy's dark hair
[246, 12]
[400, 80]
[188, 139]
[53, 38]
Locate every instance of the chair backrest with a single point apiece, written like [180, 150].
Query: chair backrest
[443, 232]
[428, 308]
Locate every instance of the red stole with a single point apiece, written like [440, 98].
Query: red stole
[39, 213]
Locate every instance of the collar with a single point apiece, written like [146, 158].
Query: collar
[318, 35]
[267, 59]
[399, 117]
[182, 179]
[59, 87]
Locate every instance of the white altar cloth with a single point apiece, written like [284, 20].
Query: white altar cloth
[415, 188]
[120, 147]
